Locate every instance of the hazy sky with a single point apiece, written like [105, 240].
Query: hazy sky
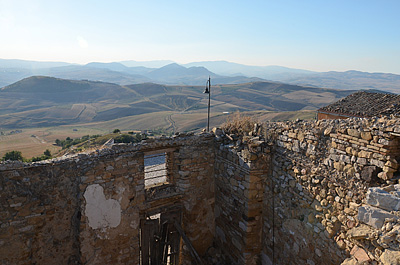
[319, 35]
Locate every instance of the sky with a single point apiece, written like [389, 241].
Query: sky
[318, 35]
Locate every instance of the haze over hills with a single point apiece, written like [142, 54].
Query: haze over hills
[173, 74]
[196, 73]
[48, 101]
[267, 72]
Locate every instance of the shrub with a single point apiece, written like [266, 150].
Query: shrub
[13, 155]
[46, 155]
[239, 124]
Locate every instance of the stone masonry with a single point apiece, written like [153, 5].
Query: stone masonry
[304, 192]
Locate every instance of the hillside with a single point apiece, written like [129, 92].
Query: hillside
[195, 74]
[349, 80]
[47, 101]
[118, 73]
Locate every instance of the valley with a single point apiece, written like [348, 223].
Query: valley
[63, 101]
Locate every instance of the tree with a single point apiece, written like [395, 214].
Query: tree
[13, 155]
[47, 153]
[117, 131]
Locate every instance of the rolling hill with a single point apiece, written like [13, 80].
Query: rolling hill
[349, 80]
[48, 101]
[170, 73]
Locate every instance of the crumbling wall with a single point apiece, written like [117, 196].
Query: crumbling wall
[239, 175]
[321, 192]
[321, 174]
[111, 192]
[195, 179]
[88, 208]
[39, 213]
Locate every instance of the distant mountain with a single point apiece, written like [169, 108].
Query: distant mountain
[172, 74]
[39, 89]
[14, 63]
[349, 80]
[102, 74]
[196, 73]
[233, 69]
[339, 80]
[110, 66]
[47, 101]
[147, 64]
[177, 74]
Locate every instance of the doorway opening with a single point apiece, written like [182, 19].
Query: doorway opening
[160, 241]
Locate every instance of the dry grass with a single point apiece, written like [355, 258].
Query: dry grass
[239, 124]
[34, 141]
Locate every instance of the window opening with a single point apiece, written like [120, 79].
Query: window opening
[155, 170]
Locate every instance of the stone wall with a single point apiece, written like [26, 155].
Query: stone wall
[239, 176]
[321, 192]
[321, 174]
[88, 208]
[35, 202]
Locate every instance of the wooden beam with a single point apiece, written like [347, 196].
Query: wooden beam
[189, 245]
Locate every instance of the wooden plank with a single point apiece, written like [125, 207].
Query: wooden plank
[174, 243]
[170, 235]
[145, 243]
[154, 242]
[164, 242]
[189, 245]
[149, 230]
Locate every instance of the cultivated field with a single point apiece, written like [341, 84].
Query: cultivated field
[34, 141]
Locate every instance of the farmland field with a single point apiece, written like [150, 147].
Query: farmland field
[34, 141]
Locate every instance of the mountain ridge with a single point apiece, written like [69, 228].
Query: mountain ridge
[130, 72]
[39, 100]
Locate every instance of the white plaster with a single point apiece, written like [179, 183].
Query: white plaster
[101, 213]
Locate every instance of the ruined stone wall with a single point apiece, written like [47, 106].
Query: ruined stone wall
[111, 194]
[195, 178]
[88, 208]
[320, 192]
[321, 174]
[39, 213]
[239, 176]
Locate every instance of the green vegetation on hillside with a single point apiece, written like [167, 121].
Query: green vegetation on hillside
[46, 155]
[17, 156]
[13, 156]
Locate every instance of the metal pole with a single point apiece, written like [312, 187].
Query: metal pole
[209, 99]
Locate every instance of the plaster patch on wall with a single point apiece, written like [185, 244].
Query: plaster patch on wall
[101, 213]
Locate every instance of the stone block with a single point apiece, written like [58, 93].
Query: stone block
[388, 169]
[360, 232]
[365, 154]
[373, 216]
[354, 133]
[366, 136]
[368, 173]
[392, 164]
[361, 161]
[390, 257]
[377, 163]
[360, 254]
[349, 169]
[339, 166]
[385, 175]
[382, 199]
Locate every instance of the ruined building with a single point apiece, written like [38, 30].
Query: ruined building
[362, 104]
[322, 192]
